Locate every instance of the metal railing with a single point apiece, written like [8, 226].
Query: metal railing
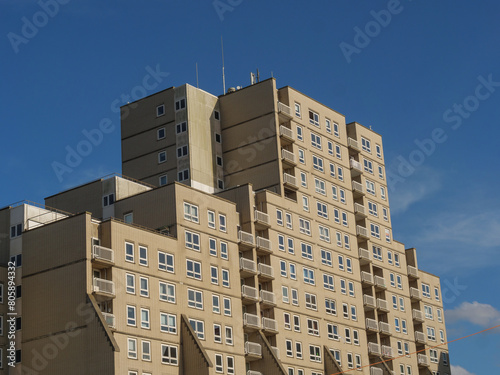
[269, 324]
[365, 254]
[382, 304]
[361, 231]
[104, 286]
[289, 179]
[418, 315]
[248, 265]
[268, 297]
[355, 165]
[366, 277]
[262, 217]
[263, 243]
[283, 108]
[359, 209]
[412, 271]
[384, 327]
[356, 186]
[110, 319]
[288, 156]
[251, 320]
[245, 237]
[414, 293]
[266, 270]
[286, 132]
[371, 324]
[253, 348]
[249, 292]
[352, 143]
[103, 253]
[380, 282]
[374, 348]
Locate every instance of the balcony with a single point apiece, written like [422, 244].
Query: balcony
[362, 232]
[265, 271]
[420, 337]
[382, 305]
[423, 360]
[418, 316]
[263, 246]
[276, 351]
[374, 349]
[359, 211]
[284, 112]
[385, 328]
[366, 278]
[412, 272]
[387, 352]
[269, 325]
[380, 283]
[252, 372]
[356, 168]
[262, 220]
[248, 267]
[103, 289]
[251, 321]
[286, 135]
[249, 294]
[357, 189]
[253, 350]
[365, 256]
[376, 371]
[288, 159]
[369, 302]
[110, 320]
[352, 143]
[371, 325]
[290, 181]
[415, 294]
[245, 239]
[267, 299]
[102, 254]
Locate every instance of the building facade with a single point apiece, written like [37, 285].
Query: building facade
[252, 234]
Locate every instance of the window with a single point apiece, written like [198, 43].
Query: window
[131, 318]
[348, 263]
[223, 250]
[212, 247]
[340, 174]
[215, 304]
[433, 355]
[351, 289]
[286, 320]
[330, 306]
[299, 133]
[168, 323]
[336, 216]
[345, 310]
[332, 170]
[283, 268]
[341, 263]
[374, 230]
[193, 269]
[167, 292]
[333, 331]
[305, 203]
[217, 333]
[336, 131]
[314, 353]
[326, 257]
[377, 253]
[330, 148]
[182, 151]
[305, 226]
[400, 348]
[319, 186]
[322, 209]
[144, 283]
[318, 163]
[302, 157]
[368, 166]
[217, 115]
[441, 336]
[328, 126]
[365, 145]
[328, 282]
[162, 157]
[355, 337]
[230, 364]
[145, 318]
[291, 246]
[370, 187]
[312, 327]
[439, 314]
[303, 179]
[222, 222]
[392, 280]
[227, 306]
[160, 133]
[195, 299]
[181, 127]
[378, 151]
[169, 354]
[336, 355]
[389, 257]
[426, 290]
[183, 175]
[180, 104]
[132, 348]
[338, 235]
[338, 152]
[381, 172]
[165, 262]
[431, 333]
[344, 219]
[225, 278]
[308, 276]
[143, 255]
[357, 357]
[306, 251]
[311, 301]
[289, 348]
[281, 242]
[146, 351]
[298, 352]
[198, 327]
[436, 294]
[214, 275]
[297, 110]
[396, 259]
[342, 196]
[354, 316]
[130, 283]
[295, 297]
[396, 325]
[296, 323]
[372, 208]
[229, 335]
[401, 303]
[382, 192]
[288, 220]
[160, 110]
[428, 312]
[313, 118]
[385, 214]
[191, 212]
[162, 180]
[404, 328]
[211, 219]
[129, 252]
[293, 272]
[279, 217]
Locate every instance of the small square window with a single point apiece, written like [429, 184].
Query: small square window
[162, 157]
[161, 133]
[181, 127]
[218, 138]
[217, 115]
[163, 180]
[180, 104]
[160, 110]
[219, 161]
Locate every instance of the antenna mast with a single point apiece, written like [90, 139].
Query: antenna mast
[197, 85]
[223, 74]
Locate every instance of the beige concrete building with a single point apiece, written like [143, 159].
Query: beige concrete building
[253, 235]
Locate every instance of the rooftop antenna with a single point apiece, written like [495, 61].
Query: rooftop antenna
[223, 74]
[197, 85]
[252, 78]
[258, 75]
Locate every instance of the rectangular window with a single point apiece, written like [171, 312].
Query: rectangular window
[328, 282]
[144, 283]
[165, 262]
[143, 255]
[322, 209]
[303, 179]
[182, 151]
[306, 251]
[313, 118]
[318, 163]
[283, 268]
[332, 170]
[227, 306]
[212, 247]
[131, 317]
[145, 318]
[366, 145]
[163, 180]
[160, 133]
[183, 175]
[338, 152]
[340, 174]
[168, 323]
[385, 214]
[162, 157]
[297, 110]
[180, 104]
[336, 130]
[167, 292]
[370, 187]
[312, 327]
[214, 275]
[222, 222]
[288, 220]
[181, 127]
[217, 333]
[229, 335]
[16, 230]
[281, 242]
[342, 196]
[351, 288]
[132, 348]
[433, 355]
[328, 126]
[129, 252]
[279, 217]
[198, 327]
[169, 354]
[344, 219]
[320, 186]
[326, 257]
[160, 110]
[330, 306]
[308, 276]
[295, 297]
[311, 301]
[289, 348]
[305, 226]
[193, 269]
[377, 253]
[195, 299]
[375, 230]
[286, 321]
[215, 304]
[426, 291]
[293, 272]
[225, 278]
[368, 166]
[305, 203]
[211, 219]
[230, 365]
[330, 148]
[130, 281]
[333, 331]
[223, 250]
[291, 246]
[314, 353]
[298, 352]
[146, 350]
[299, 133]
[378, 151]
[191, 212]
[381, 172]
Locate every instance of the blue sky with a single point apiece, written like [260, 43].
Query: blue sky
[423, 75]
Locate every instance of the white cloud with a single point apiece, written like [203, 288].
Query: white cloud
[458, 370]
[481, 314]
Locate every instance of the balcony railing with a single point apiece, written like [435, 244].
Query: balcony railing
[252, 348]
[261, 218]
[248, 266]
[252, 372]
[266, 271]
[369, 301]
[387, 351]
[374, 348]
[418, 315]
[415, 293]
[376, 371]
[423, 360]
[362, 231]
[356, 168]
[382, 305]
[385, 328]
[371, 324]
[290, 181]
[103, 253]
[263, 244]
[276, 351]
[288, 156]
[110, 319]
[284, 109]
[286, 133]
[249, 293]
[357, 188]
[366, 278]
[380, 282]
[352, 143]
[251, 321]
[412, 272]
[245, 238]
[269, 324]
[267, 297]
[104, 286]
[359, 210]
[364, 256]
[420, 337]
